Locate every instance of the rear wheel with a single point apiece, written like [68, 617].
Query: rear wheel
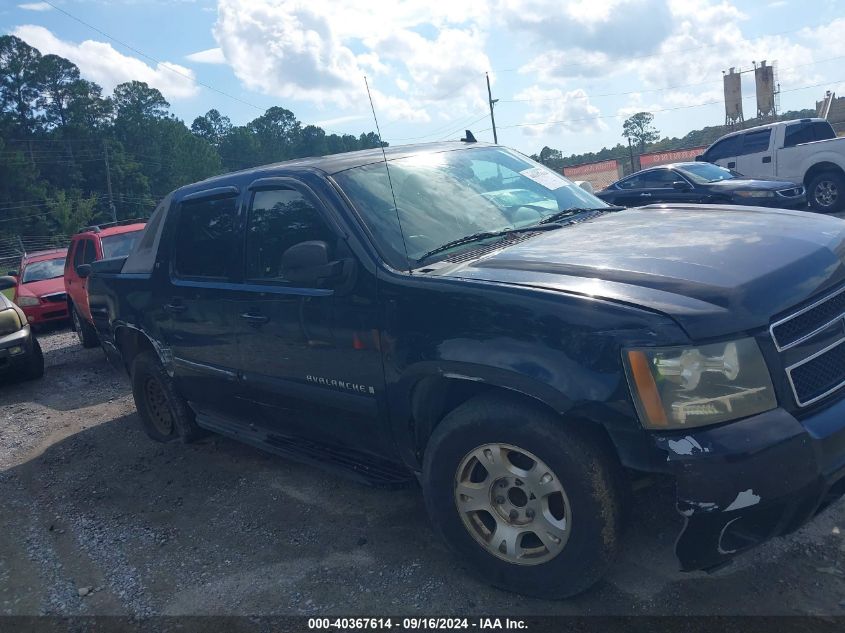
[826, 192]
[85, 332]
[165, 415]
[532, 505]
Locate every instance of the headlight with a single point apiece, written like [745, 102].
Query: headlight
[10, 322]
[755, 194]
[682, 387]
[27, 301]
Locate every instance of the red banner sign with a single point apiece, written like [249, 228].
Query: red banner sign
[590, 168]
[672, 156]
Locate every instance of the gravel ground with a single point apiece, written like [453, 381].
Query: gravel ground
[97, 519]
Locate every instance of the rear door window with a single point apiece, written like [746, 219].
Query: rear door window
[634, 182]
[660, 179]
[756, 142]
[726, 148]
[205, 238]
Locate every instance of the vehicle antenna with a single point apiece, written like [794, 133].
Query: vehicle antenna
[387, 169]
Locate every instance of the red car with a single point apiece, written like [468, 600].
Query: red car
[104, 241]
[40, 291]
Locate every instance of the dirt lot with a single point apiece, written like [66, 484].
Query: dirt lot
[91, 506]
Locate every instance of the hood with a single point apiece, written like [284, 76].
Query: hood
[749, 184]
[716, 270]
[43, 287]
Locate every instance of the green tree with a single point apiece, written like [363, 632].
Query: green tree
[70, 211]
[278, 133]
[58, 78]
[212, 126]
[638, 129]
[19, 82]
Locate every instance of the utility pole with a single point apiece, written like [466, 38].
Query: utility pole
[108, 181]
[492, 102]
[631, 154]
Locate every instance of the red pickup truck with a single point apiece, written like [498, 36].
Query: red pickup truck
[93, 243]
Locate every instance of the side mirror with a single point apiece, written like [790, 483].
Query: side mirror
[12, 273]
[680, 185]
[8, 282]
[83, 270]
[700, 159]
[308, 263]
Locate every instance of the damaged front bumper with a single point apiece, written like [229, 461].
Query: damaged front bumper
[742, 483]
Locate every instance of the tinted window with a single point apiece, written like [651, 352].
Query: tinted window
[634, 182]
[90, 253]
[797, 133]
[755, 142]
[78, 252]
[120, 245]
[205, 237]
[727, 148]
[822, 130]
[278, 219]
[660, 178]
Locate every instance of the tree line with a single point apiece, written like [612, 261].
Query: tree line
[63, 143]
[644, 137]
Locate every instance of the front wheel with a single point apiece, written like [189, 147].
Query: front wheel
[826, 192]
[35, 363]
[532, 505]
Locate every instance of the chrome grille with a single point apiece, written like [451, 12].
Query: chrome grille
[819, 372]
[808, 321]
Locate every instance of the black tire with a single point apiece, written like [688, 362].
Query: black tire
[84, 330]
[589, 474]
[165, 415]
[35, 363]
[826, 192]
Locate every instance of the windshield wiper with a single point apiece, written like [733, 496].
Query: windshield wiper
[568, 213]
[475, 237]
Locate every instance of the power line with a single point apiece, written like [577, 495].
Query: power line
[632, 92]
[154, 60]
[683, 107]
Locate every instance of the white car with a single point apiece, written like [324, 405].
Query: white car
[804, 151]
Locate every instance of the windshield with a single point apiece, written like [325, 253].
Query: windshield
[444, 196]
[707, 172]
[47, 269]
[120, 245]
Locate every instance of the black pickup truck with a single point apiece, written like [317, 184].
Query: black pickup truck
[460, 314]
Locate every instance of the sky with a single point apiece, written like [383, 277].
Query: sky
[566, 72]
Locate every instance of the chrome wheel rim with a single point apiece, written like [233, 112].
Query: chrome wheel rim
[158, 407]
[512, 504]
[826, 193]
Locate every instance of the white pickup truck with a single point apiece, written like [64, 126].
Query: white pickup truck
[802, 151]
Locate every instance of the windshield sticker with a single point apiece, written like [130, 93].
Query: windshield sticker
[548, 179]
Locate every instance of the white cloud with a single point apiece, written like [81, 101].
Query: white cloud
[553, 110]
[100, 62]
[318, 52]
[35, 6]
[208, 56]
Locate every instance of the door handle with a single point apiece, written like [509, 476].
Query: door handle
[645, 195]
[255, 319]
[175, 308]
[767, 159]
[731, 164]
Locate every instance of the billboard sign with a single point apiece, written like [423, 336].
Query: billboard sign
[671, 156]
[599, 174]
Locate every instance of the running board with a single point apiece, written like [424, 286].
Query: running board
[356, 465]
